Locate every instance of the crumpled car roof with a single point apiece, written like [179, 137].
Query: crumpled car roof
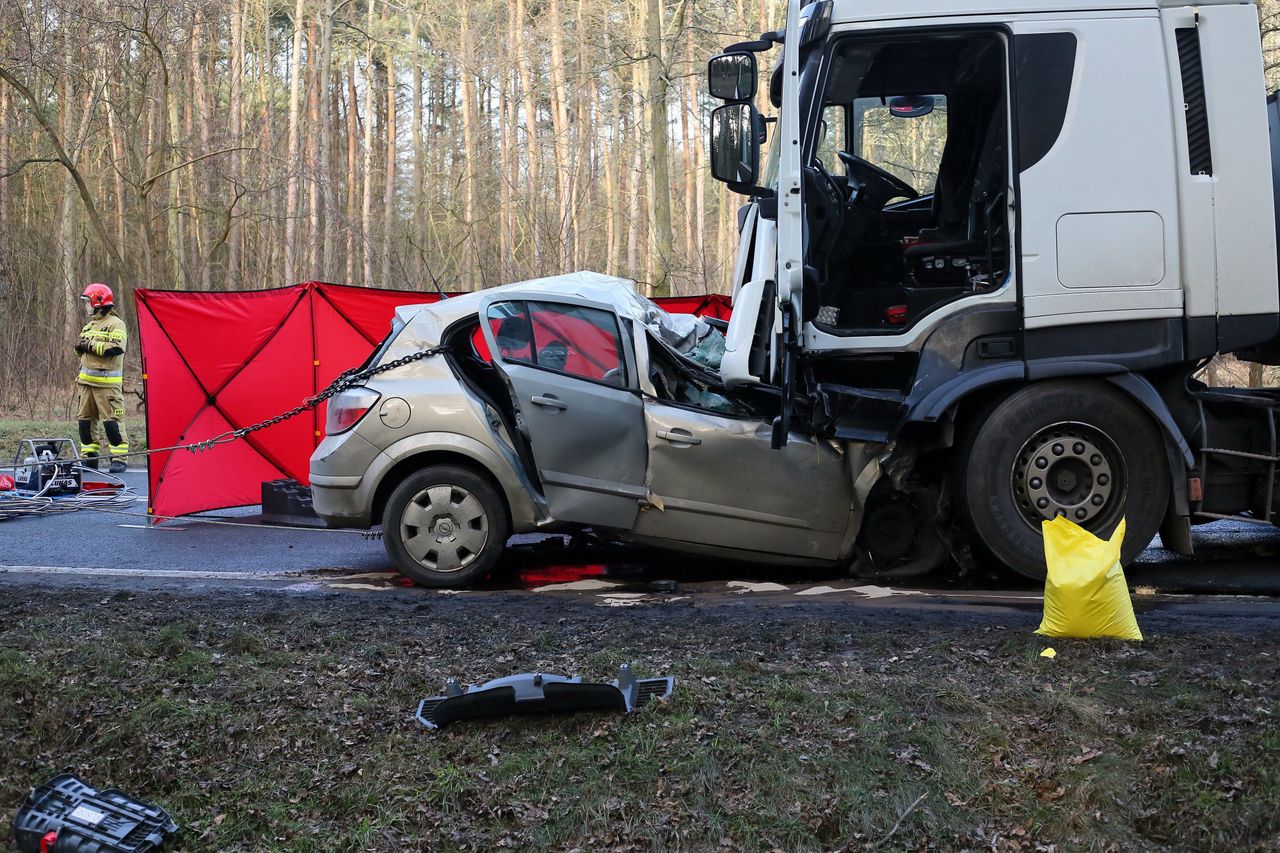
[619, 293]
[685, 333]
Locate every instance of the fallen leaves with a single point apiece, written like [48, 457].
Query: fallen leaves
[1086, 754]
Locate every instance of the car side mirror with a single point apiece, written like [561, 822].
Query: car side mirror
[732, 77]
[735, 145]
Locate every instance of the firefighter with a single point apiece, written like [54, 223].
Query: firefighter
[101, 348]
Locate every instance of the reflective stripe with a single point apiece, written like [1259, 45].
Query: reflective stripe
[100, 372]
[86, 449]
[119, 449]
[86, 378]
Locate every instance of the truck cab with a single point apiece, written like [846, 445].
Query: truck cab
[1000, 242]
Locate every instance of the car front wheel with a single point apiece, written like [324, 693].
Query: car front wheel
[445, 527]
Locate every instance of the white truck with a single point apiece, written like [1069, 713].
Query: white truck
[1001, 239]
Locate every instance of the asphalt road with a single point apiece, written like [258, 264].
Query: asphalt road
[121, 549]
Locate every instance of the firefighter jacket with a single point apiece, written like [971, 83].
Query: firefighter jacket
[102, 334]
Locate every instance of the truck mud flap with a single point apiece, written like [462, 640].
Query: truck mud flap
[537, 693]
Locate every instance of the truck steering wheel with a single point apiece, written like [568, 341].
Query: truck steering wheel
[880, 185]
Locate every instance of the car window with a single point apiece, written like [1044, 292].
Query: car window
[569, 339]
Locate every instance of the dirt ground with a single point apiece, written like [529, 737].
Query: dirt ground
[266, 721]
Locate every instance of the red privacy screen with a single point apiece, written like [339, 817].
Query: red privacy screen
[213, 362]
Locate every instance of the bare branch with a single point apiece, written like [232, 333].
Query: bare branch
[81, 187]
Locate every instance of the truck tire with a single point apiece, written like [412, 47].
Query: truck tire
[1065, 447]
[445, 527]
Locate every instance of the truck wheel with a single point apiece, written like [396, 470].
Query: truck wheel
[1074, 448]
[444, 526]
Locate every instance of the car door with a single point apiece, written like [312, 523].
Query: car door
[573, 385]
[715, 480]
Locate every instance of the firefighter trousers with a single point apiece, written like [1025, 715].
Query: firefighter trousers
[102, 403]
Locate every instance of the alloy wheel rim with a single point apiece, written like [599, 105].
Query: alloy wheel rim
[1068, 469]
[444, 528]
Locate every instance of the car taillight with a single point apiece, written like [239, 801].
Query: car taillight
[347, 408]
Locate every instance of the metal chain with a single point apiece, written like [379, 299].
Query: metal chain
[342, 382]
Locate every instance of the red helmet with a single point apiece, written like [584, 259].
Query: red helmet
[99, 296]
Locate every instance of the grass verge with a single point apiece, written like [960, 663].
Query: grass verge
[13, 431]
[266, 722]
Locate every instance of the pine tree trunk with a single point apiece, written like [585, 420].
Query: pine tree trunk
[4, 162]
[560, 129]
[389, 188]
[323, 176]
[528, 84]
[506, 155]
[661, 236]
[419, 172]
[293, 161]
[366, 207]
[66, 226]
[612, 191]
[353, 142]
[199, 179]
[312, 241]
[469, 121]
[235, 83]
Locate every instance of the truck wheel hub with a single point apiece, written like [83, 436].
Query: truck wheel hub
[1067, 469]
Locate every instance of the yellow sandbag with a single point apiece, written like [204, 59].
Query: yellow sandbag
[1085, 594]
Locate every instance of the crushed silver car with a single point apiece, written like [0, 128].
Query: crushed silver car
[573, 402]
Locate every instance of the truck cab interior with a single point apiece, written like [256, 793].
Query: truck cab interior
[906, 187]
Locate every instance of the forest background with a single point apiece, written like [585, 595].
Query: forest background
[243, 144]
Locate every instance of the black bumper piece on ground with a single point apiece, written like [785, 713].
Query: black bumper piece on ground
[536, 693]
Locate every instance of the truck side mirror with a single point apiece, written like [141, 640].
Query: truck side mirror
[735, 145]
[732, 77]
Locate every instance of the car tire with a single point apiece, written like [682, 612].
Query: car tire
[445, 527]
[1076, 448]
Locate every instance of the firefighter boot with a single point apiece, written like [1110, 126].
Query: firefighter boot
[116, 443]
[88, 447]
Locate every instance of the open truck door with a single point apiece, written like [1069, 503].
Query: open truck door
[763, 342]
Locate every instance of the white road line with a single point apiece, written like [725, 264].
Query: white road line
[152, 527]
[180, 574]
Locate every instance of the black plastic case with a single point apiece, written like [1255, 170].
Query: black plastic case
[87, 820]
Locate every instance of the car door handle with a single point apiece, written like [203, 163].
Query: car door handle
[549, 401]
[678, 436]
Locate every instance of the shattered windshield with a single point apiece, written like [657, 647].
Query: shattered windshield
[691, 337]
